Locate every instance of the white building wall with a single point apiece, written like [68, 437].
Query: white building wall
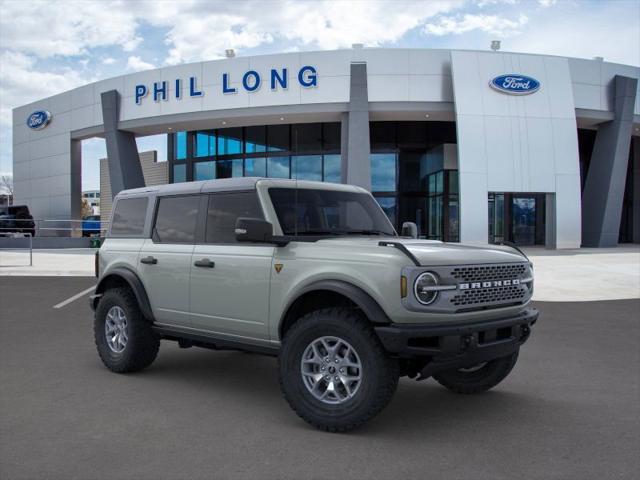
[509, 143]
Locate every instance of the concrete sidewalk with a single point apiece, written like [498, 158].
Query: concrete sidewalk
[585, 274]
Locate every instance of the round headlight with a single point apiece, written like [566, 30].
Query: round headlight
[422, 288]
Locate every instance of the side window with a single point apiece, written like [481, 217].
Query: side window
[176, 219]
[224, 210]
[128, 217]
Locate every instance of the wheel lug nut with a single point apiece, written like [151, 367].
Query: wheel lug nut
[335, 378]
[328, 377]
[322, 369]
[337, 361]
[327, 360]
[342, 370]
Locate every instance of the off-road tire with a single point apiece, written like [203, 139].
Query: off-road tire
[142, 344]
[379, 372]
[480, 380]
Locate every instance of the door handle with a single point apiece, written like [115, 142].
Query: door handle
[205, 262]
[149, 260]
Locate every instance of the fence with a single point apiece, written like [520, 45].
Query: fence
[14, 235]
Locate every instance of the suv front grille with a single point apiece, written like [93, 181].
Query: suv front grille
[488, 272]
[513, 293]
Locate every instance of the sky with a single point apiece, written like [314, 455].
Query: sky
[47, 47]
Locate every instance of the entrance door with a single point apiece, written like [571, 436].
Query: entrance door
[523, 220]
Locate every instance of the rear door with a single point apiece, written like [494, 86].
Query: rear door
[165, 258]
[230, 280]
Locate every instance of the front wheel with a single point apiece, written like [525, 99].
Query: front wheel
[333, 370]
[478, 378]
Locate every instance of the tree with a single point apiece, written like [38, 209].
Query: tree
[6, 184]
[86, 209]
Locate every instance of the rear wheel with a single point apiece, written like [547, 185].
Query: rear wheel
[478, 378]
[124, 338]
[333, 370]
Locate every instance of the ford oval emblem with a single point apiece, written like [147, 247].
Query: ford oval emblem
[38, 120]
[515, 84]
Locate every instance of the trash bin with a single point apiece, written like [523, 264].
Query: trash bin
[94, 242]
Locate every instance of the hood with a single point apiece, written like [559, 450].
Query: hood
[431, 252]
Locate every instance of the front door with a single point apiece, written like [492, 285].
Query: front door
[165, 259]
[230, 280]
[523, 215]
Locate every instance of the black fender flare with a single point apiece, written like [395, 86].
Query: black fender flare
[134, 282]
[362, 299]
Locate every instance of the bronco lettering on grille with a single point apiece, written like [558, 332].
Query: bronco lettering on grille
[490, 284]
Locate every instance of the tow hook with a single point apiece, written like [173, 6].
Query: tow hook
[525, 332]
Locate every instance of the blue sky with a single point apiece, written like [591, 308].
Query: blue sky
[48, 47]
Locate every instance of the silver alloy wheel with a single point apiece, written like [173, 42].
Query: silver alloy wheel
[331, 370]
[115, 329]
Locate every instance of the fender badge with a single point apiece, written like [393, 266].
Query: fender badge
[278, 267]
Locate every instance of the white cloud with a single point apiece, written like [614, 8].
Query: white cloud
[135, 64]
[491, 24]
[203, 30]
[547, 3]
[108, 61]
[45, 29]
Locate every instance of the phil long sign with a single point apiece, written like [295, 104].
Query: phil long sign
[515, 84]
[251, 81]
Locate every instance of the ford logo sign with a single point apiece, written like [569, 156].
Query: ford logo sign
[38, 120]
[515, 84]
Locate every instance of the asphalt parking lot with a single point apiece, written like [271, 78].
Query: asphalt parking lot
[570, 409]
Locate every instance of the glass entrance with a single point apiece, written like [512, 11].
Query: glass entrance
[523, 224]
[516, 218]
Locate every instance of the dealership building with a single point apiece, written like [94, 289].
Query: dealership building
[473, 146]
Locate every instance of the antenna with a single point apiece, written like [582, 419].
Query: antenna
[295, 201]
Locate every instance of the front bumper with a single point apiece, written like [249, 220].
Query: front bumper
[446, 347]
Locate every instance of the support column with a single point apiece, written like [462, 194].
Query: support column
[604, 187]
[635, 205]
[356, 166]
[125, 170]
[550, 235]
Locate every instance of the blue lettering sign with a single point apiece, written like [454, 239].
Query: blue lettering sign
[157, 89]
[251, 86]
[225, 84]
[307, 76]
[275, 77]
[192, 88]
[141, 92]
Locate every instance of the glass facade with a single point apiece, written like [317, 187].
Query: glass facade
[408, 176]
[410, 180]
[309, 151]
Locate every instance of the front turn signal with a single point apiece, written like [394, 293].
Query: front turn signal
[403, 286]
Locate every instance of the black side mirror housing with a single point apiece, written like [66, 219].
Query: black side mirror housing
[257, 230]
[253, 230]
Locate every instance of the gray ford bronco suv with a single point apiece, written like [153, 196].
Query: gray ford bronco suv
[315, 274]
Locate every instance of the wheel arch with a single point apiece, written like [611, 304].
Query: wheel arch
[340, 293]
[121, 276]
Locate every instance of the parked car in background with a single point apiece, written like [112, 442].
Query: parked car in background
[17, 219]
[91, 225]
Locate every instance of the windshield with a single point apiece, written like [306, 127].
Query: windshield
[328, 212]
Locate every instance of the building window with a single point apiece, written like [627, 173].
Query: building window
[179, 173]
[255, 167]
[204, 170]
[255, 139]
[383, 172]
[230, 141]
[332, 168]
[205, 144]
[306, 167]
[180, 150]
[278, 167]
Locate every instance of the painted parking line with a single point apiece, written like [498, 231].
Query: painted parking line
[75, 297]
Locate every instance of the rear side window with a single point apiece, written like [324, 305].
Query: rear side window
[224, 209]
[128, 217]
[176, 219]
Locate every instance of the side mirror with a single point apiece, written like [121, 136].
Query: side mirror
[253, 230]
[409, 229]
